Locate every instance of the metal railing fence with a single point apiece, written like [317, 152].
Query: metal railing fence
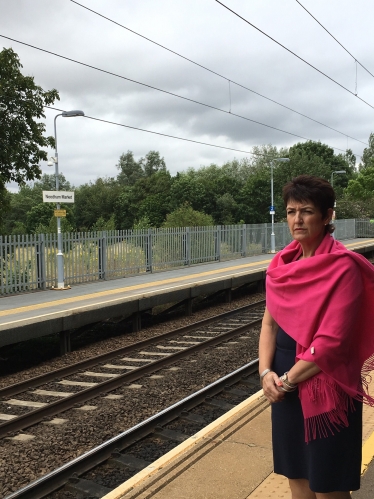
[29, 262]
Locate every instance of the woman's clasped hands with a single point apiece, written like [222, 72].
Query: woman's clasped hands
[272, 386]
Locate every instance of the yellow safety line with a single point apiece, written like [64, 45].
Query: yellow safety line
[127, 288]
[367, 453]
[357, 245]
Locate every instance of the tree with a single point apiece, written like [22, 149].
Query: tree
[130, 170]
[21, 135]
[186, 216]
[368, 153]
[151, 197]
[362, 188]
[152, 163]
[102, 224]
[95, 200]
[29, 196]
[40, 214]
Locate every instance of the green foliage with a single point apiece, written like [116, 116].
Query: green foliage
[130, 170]
[186, 216]
[39, 215]
[28, 197]
[124, 209]
[102, 224]
[95, 200]
[21, 133]
[368, 154]
[145, 195]
[255, 197]
[149, 197]
[347, 207]
[362, 188]
[19, 228]
[142, 223]
[152, 163]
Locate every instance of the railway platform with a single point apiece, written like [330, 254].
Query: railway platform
[230, 459]
[31, 315]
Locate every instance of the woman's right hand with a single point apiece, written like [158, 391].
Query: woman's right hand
[271, 385]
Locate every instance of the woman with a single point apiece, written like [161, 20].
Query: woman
[315, 348]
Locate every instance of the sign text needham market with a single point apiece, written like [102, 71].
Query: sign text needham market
[58, 197]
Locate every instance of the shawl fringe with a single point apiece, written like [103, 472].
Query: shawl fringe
[324, 392]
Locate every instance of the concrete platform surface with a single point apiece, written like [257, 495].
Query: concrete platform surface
[230, 459]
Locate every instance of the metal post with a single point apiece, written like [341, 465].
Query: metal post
[60, 256]
[332, 185]
[272, 212]
[272, 207]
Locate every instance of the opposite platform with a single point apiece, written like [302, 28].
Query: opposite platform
[31, 315]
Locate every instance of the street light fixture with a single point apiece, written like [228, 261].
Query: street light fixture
[272, 207]
[60, 256]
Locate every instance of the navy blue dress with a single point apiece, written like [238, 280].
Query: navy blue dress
[330, 464]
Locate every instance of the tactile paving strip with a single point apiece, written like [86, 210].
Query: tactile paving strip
[274, 487]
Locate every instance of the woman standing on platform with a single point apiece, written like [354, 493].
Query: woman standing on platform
[316, 348]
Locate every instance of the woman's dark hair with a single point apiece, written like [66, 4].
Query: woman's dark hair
[314, 189]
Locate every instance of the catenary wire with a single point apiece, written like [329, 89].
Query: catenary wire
[332, 36]
[165, 134]
[158, 89]
[293, 53]
[178, 138]
[214, 72]
[163, 91]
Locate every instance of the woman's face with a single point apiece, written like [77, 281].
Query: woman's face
[305, 221]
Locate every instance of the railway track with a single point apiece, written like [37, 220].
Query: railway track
[65, 388]
[103, 468]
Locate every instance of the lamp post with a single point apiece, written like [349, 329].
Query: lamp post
[336, 172]
[60, 256]
[272, 207]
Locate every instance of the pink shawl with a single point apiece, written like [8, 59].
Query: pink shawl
[326, 302]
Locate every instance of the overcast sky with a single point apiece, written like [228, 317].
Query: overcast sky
[207, 33]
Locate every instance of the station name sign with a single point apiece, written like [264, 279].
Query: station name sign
[58, 197]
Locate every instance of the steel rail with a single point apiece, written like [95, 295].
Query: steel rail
[57, 478]
[35, 416]
[16, 388]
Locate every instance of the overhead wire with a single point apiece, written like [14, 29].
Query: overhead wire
[293, 53]
[164, 134]
[162, 90]
[337, 41]
[156, 88]
[178, 138]
[230, 80]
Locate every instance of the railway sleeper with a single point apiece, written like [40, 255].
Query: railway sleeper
[165, 434]
[252, 383]
[220, 404]
[235, 392]
[119, 460]
[192, 418]
[84, 488]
